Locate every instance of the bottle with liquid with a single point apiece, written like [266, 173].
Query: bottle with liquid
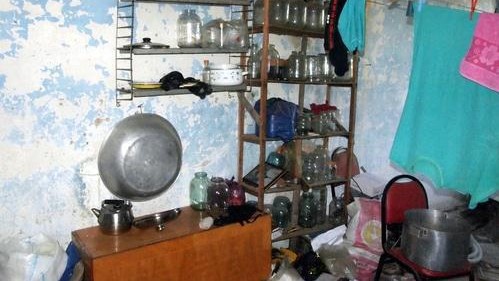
[205, 73]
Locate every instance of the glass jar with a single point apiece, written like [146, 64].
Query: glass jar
[307, 170]
[273, 61]
[320, 163]
[189, 29]
[303, 124]
[307, 214]
[321, 201]
[282, 201]
[280, 216]
[324, 67]
[235, 34]
[211, 34]
[295, 64]
[237, 196]
[336, 211]
[276, 15]
[258, 12]
[198, 191]
[314, 10]
[253, 62]
[217, 197]
[296, 9]
[311, 70]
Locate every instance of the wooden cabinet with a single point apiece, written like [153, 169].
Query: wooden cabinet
[182, 251]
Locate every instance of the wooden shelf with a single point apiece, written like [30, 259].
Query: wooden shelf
[283, 30]
[336, 82]
[198, 2]
[340, 133]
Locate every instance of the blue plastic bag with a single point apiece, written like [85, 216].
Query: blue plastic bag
[281, 118]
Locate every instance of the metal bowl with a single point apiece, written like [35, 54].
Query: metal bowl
[141, 157]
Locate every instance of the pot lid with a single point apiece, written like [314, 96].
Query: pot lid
[147, 44]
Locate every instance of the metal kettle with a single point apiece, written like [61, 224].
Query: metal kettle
[115, 216]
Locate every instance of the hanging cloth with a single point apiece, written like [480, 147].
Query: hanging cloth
[352, 24]
[481, 63]
[448, 130]
[333, 43]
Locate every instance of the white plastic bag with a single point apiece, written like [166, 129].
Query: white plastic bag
[31, 259]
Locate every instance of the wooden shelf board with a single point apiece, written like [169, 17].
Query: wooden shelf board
[283, 30]
[140, 93]
[336, 82]
[201, 2]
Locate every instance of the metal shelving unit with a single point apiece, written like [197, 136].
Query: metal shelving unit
[125, 10]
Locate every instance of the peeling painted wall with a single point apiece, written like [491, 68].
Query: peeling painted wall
[57, 105]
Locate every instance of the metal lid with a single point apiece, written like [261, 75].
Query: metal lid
[147, 44]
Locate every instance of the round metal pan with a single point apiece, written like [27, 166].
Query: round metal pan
[141, 157]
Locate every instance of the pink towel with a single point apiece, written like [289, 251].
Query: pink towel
[481, 64]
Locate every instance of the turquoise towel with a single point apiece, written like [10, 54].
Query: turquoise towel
[352, 24]
[449, 129]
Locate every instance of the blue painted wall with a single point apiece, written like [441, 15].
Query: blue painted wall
[57, 105]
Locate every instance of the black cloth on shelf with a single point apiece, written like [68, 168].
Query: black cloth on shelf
[175, 79]
[333, 44]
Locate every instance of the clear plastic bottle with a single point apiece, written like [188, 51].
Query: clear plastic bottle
[189, 29]
[198, 191]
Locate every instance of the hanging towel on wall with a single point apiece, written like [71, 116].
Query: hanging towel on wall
[352, 24]
[481, 63]
[448, 130]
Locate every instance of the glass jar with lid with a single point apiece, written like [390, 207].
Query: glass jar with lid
[189, 29]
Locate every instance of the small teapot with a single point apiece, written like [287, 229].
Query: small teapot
[115, 216]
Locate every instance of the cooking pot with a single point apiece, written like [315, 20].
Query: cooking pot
[140, 158]
[114, 217]
[226, 75]
[438, 240]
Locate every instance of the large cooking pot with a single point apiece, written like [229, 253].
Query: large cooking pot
[438, 240]
[141, 157]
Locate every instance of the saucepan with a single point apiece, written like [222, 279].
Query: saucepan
[226, 75]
